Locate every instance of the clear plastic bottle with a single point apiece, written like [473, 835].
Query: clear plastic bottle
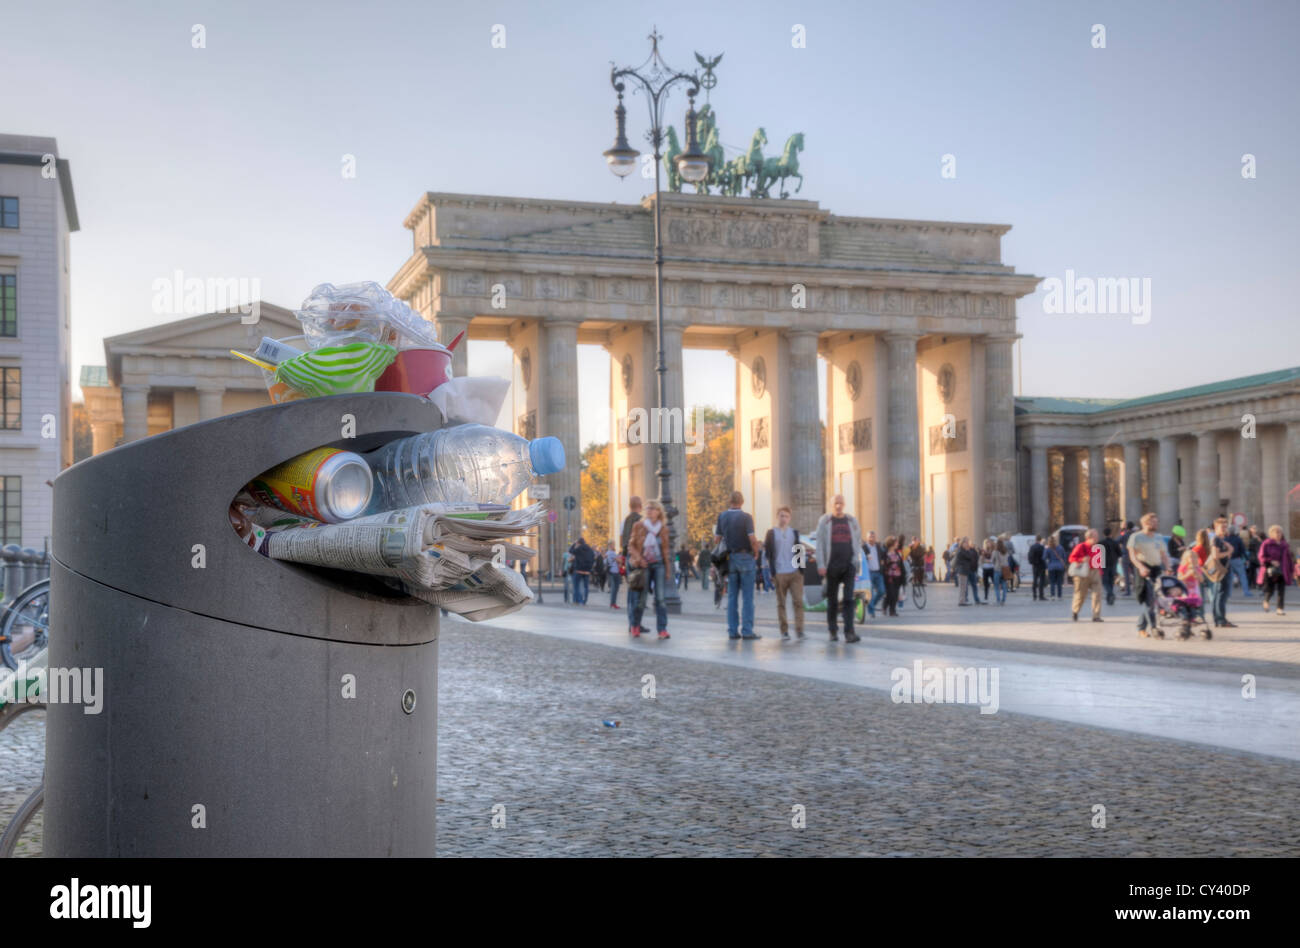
[468, 463]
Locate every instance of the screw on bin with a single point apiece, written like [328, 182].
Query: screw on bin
[408, 701]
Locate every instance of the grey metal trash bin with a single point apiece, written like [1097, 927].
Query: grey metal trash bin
[224, 685]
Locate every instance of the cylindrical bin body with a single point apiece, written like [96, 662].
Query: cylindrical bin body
[246, 706]
[12, 557]
[31, 566]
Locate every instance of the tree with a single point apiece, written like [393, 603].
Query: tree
[709, 482]
[594, 466]
[83, 440]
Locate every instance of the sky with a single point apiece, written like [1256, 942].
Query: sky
[1119, 162]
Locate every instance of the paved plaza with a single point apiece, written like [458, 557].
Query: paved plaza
[738, 737]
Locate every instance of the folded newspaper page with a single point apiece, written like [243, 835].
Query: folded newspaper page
[445, 554]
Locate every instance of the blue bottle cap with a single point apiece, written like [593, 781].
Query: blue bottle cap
[547, 455]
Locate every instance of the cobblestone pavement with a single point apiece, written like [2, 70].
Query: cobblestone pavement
[715, 764]
[22, 764]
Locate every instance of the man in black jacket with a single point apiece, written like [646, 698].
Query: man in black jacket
[1038, 563]
[584, 560]
[1113, 554]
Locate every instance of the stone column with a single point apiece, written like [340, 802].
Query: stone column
[1167, 484]
[1040, 474]
[135, 411]
[1248, 496]
[1070, 486]
[448, 327]
[801, 398]
[1097, 487]
[210, 395]
[1291, 453]
[558, 371]
[999, 437]
[1207, 478]
[1132, 481]
[902, 423]
[675, 403]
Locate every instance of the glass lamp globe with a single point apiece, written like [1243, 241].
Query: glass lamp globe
[693, 168]
[622, 161]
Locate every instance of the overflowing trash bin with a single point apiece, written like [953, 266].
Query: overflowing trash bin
[246, 646]
[251, 706]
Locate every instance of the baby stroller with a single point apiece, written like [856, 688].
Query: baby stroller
[1180, 611]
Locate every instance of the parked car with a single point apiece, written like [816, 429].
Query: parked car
[1070, 534]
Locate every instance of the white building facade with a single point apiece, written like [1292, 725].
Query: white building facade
[37, 213]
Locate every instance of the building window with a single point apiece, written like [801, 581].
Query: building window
[8, 304]
[11, 387]
[11, 493]
[9, 213]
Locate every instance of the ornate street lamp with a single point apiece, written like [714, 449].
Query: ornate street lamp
[693, 166]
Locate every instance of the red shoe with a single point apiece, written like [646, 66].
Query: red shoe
[635, 631]
[663, 634]
[613, 605]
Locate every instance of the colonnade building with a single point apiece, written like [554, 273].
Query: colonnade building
[915, 320]
[1189, 455]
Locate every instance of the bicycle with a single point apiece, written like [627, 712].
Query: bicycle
[918, 589]
[24, 635]
[26, 626]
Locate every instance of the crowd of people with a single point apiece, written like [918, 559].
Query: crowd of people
[1166, 575]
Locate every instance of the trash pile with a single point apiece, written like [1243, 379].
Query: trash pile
[430, 513]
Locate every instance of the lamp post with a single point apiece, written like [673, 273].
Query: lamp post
[693, 166]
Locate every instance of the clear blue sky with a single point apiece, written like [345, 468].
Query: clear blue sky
[1123, 161]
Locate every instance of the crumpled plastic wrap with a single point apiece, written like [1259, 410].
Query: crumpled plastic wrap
[361, 312]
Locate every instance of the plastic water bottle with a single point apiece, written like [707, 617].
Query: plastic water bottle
[465, 464]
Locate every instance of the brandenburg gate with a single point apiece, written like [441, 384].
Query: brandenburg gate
[915, 319]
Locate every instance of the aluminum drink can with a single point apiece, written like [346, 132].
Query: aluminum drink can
[326, 484]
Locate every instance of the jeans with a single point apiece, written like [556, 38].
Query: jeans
[740, 569]
[877, 592]
[581, 586]
[654, 577]
[999, 586]
[1108, 584]
[973, 582]
[1218, 596]
[986, 574]
[1040, 582]
[839, 595]
[614, 580]
[1237, 571]
[1055, 580]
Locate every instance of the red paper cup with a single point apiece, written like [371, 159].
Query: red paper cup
[417, 371]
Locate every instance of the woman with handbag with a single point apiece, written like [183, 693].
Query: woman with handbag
[1275, 568]
[646, 552]
[1087, 560]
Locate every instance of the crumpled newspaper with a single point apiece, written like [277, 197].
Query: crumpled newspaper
[453, 561]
